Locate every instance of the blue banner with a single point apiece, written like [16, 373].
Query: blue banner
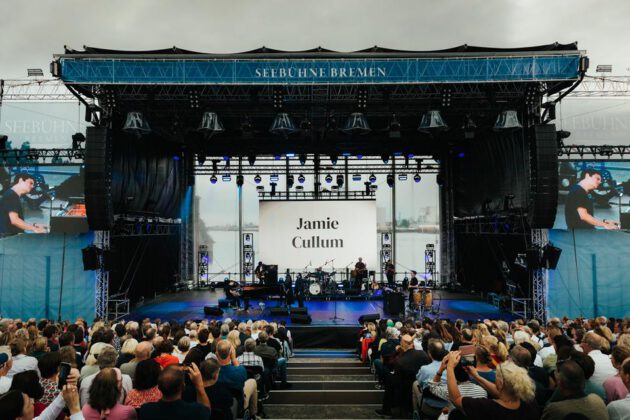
[320, 71]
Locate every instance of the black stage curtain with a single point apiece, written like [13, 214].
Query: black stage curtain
[145, 177]
[481, 258]
[492, 168]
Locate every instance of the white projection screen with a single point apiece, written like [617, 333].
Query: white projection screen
[296, 234]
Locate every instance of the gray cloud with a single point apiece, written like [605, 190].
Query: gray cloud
[32, 34]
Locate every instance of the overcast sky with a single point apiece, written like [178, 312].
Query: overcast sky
[33, 31]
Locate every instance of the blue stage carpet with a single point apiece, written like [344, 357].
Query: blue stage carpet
[189, 305]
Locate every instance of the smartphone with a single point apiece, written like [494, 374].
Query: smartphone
[64, 371]
[468, 355]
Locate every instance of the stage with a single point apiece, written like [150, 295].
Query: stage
[186, 305]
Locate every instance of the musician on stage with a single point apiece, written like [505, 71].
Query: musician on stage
[287, 289]
[11, 213]
[413, 285]
[260, 271]
[232, 292]
[299, 290]
[360, 272]
[390, 270]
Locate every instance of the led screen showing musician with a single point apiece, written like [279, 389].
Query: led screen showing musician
[42, 199]
[593, 195]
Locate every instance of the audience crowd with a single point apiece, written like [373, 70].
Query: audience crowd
[439, 369]
[140, 370]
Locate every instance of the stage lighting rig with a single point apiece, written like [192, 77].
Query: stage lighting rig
[239, 180]
[372, 178]
[328, 178]
[201, 158]
[356, 177]
[402, 177]
[390, 180]
[251, 159]
[417, 178]
[226, 177]
[77, 140]
[274, 177]
[257, 179]
[340, 180]
[385, 158]
[367, 188]
[301, 179]
[333, 159]
[273, 188]
[213, 179]
[290, 181]
[302, 159]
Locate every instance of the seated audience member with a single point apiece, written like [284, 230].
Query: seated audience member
[49, 368]
[142, 352]
[249, 358]
[91, 364]
[127, 351]
[267, 352]
[5, 366]
[106, 359]
[513, 393]
[21, 362]
[104, 396]
[220, 396]
[40, 347]
[591, 345]
[203, 346]
[145, 384]
[234, 377]
[171, 384]
[620, 409]
[465, 386]
[387, 350]
[28, 383]
[233, 338]
[398, 385]
[614, 386]
[165, 354]
[182, 349]
[570, 379]
[588, 367]
[431, 406]
[484, 364]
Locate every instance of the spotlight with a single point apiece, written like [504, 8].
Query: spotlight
[273, 188]
[301, 179]
[390, 180]
[215, 164]
[461, 154]
[226, 177]
[359, 156]
[251, 159]
[340, 180]
[213, 179]
[290, 181]
[77, 139]
[283, 125]
[372, 178]
[367, 188]
[356, 177]
[402, 177]
[417, 178]
[277, 157]
[507, 120]
[201, 159]
[239, 180]
[274, 177]
[302, 159]
[432, 121]
[176, 158]
[260, 188]
[328, 178]
[333, 159]
[257, 179]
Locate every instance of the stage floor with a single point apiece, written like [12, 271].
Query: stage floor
[188, 305]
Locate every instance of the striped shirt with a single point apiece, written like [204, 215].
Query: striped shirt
[466, 389]
[250, 359]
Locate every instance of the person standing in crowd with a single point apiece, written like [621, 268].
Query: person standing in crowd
[11, 212]
[620, 409]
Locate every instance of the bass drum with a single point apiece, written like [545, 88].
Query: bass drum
[314, 289]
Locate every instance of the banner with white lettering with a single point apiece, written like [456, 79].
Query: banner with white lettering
[297, 234]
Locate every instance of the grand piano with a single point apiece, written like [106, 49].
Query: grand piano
[255, 291]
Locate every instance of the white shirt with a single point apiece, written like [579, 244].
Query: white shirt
[603, 367]
[620, 409]
[84, 390]
[546, 351]
[5, 384]
[22, 363]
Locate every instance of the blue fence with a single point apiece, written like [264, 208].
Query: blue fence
[320, 71]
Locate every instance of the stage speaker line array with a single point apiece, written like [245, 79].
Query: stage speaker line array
[98, 178]
[544, 176]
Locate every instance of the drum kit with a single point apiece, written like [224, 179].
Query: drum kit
[422, 301]
[322, 283]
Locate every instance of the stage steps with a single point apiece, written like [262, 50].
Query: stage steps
[327, 384]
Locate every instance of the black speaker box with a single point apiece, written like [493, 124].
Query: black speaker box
[301, 319]
[98, 178]
[353, 292]
[394, 303]
[543, 197]
[533, 258]
[302, 311]
[212, 310]
[90, 258]
[551, 255]
[279, 311]
[369, 318]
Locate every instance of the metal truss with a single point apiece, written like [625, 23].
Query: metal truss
[123, 228]
[102, 242]
[41, 90]
[602, 152]
[333, 194]
[540, 278]
[498, 224]
[602, 86]
[57, 157]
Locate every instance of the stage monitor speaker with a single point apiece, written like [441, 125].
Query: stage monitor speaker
[369, 318]
[98, 178]
[279, 311]
[212, 310]
[394, 303]
[301, 319]
[543, 196]
[551, 255]
[299, 311]
[353, 292]
[90, 258]
[224, 303]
